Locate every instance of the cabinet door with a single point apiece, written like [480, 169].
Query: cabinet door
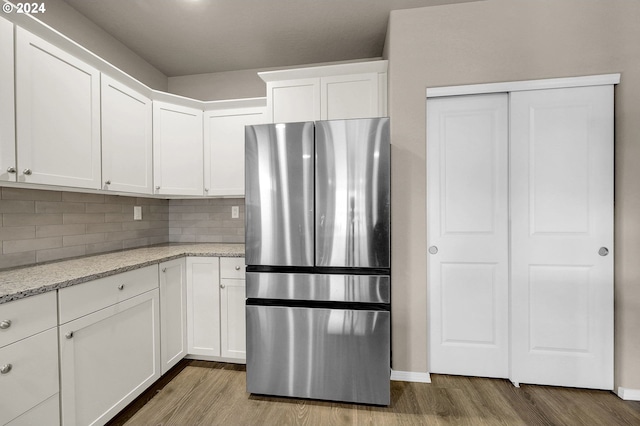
[232, 318]
[203, 306]
[177, 150]
[7, 113]
[45, 413]
[224, 149]
[32, 375]
[293, 100]
[108, 358]
[57, 115]
[349, 96]
[126, 138]
[173, 312]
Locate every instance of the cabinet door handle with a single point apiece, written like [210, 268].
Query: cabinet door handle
[237, 268]
[221, 285]
[4, 324]
[158, 187]
[603, 251]
[5, 368]
[433, 250]
[27, 172]
[69, 335]
[107, 182]
[164, 269]
[11, 169]
[121, 287]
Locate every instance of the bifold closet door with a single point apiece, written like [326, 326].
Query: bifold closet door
[562, 236]
[467, 191]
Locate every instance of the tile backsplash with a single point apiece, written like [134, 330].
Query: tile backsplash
[206, 221]
[40, 226]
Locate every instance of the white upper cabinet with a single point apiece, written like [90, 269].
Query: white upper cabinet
[354, 90]
[7, 113]
[58, 115]
[177, 149]
[126, 138]
[224, 148]
[294, 100]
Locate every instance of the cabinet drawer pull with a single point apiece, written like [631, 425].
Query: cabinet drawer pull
[107, 182]
[5, 368]
[237, 268]
[69, 335]
[27, 172]
[121, 287]
[11, 169]
[4, 324]
[221, 285]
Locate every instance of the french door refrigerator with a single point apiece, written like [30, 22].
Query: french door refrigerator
[318, 260]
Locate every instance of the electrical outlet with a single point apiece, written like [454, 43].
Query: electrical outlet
[235, 212]
[137, 212]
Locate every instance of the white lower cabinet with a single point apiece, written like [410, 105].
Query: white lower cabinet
[173, 313]
[29, 361]
[216, 308]
[108, 357]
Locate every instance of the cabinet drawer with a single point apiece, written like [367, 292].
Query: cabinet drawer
[83, 299]
[33, 374]
[26, 317]
[232, 267]
[45, 413]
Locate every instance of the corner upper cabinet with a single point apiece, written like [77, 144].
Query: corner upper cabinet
[57, 115]
[7, 104]
[224, 124]
[177, 149]
[126, 139]
[354, 90]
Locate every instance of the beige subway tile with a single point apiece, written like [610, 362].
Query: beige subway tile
[69, 218]
[128, 210]
[103, 247]
[137, 242]
[156, 216]
[182, 209]
[151, 232]
[30, 194]
[17, 232]
[17, 259]
[230, 239]
[77, 240]
[175, 231]
[15, 246]
[59, 207]
[103, 208]
[151, 201]
[59, 230]
[159, 209]
[59, 253]
[217, 231]
[182, 238]
[119, 199]
[82, 197]
[193, 216]
[160, 239]
[117, 217]
[92, 228]
[233, 223]
[120, 236]
[11, 219]
[17, 206]
[138, 224]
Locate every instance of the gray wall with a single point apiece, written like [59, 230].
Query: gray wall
[66, 20]
[40, 226]
[506, 40]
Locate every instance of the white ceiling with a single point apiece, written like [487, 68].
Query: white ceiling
[184, 37]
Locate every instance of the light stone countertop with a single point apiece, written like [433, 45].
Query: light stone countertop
[28, 281]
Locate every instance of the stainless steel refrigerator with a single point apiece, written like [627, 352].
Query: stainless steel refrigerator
[318, 259]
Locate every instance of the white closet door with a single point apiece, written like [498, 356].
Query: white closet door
[561, 216]
[467, 196]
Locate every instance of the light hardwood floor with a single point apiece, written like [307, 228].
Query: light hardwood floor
[210, 393]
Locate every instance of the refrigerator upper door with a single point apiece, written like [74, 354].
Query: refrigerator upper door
[279, 194]
[352, 193]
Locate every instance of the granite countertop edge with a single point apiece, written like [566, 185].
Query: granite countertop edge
[20, 283]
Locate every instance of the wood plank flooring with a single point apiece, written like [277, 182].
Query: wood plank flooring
[210, 393]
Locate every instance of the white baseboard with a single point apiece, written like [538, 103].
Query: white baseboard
[410, 376]
[629, 394]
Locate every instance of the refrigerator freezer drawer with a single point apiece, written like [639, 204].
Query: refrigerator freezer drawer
[319, 287]
[330, 354]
